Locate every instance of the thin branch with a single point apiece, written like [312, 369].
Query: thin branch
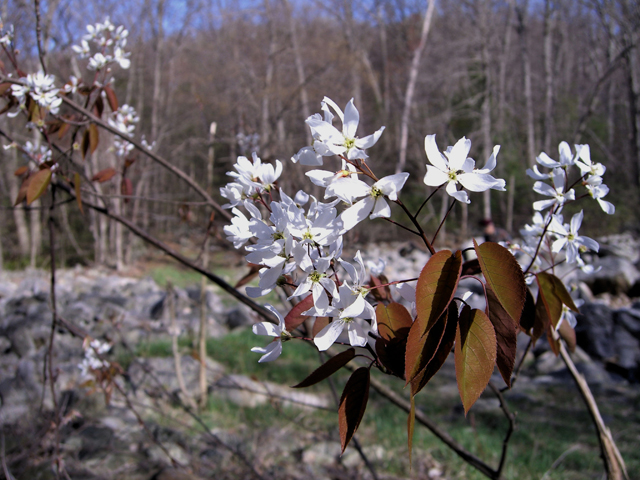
[512, 425]
[259, 309]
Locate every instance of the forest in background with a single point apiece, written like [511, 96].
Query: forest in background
[524, 75]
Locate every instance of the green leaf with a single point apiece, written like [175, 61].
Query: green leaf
[475, 355]
[436, 286]
[506, 336]
[38, 184]
[295, 318]
[444, 349]
[328, 368]
[394, 320]
[353, 404]
[504, 276]
[421, 349]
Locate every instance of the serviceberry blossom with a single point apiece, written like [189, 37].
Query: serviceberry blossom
[568, 237]
[40, 87]
[329, 141]
[6, 36]
[560, 196]
[272, 351]
[584, 163]
[374, 204]
[347, 310]
[598, 192]
[124, 119]
[109, 41]
[91, 360]
[567, 159]
[454, 167]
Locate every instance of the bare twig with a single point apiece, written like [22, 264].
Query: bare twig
[512, 425]
[613, 461]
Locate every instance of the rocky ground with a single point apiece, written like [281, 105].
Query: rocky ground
[137, 422]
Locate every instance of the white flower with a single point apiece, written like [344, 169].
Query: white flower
[586, 166]
[98, 62]
[566, 158]
[274, 349]
[569, 238]
[557, 191]
[374, 205]
[599, 192]
[454, 167]
[83, 50]
[348, 307]
[328, 140]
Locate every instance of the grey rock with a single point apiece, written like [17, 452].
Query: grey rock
[629, 319]
[594, 330]
[238, 316]
[616, 275]
[626, 348]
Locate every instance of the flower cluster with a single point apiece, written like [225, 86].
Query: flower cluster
[549, 229]
[91, 360]
[40, 88]
[297, 242]
[110, 42]
[124, 119]
[6, 36]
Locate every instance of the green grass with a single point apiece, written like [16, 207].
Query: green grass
[551, 421]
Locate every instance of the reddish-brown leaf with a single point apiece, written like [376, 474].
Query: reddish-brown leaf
[551, 297]
[22, 193]
[504, 274]
[84, 147]
[567, 332]
[471, 267]
[126, 188]
[98, 107]
[394, 320]
[328, 368]
[436, 286]
[391, 354]
[76, 186]
[21, 171]
[444, 349]
[506, 336]
[382, 294]
[38, 184]
[541, 319]
[295, 317]
[528, 317]
[554, 340]
[559, 289]
[94, 137]
[421, 349]
[104, 175]
[64, 128]
[4, 87]
[250, 275]
[111, 98]
[475, 355]
[353, 404]
[318, 325]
